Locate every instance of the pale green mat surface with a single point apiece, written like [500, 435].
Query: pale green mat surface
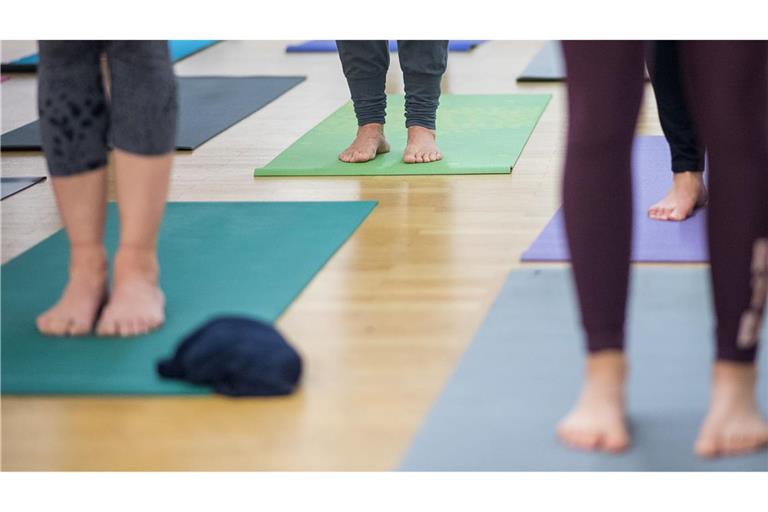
[477, 134]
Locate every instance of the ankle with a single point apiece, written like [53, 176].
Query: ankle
[733, 388]
[87, 258]
[689, 177]
[607, 367]
[417, 130]
[730, 374]
[370, 129]
[131, 260]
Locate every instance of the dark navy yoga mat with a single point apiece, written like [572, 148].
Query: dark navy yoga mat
[208, 105]
[653, 241]
[179, 49]
[11, 186]
[522, 372]
[325, 46]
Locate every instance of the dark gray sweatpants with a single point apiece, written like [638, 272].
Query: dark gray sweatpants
[79, 123]
[365, 65]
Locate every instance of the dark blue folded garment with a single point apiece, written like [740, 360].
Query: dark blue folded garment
[236, 356]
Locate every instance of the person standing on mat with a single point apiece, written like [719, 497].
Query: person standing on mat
[726, 82]
[365, 65]
[688, 190]
[79, 123]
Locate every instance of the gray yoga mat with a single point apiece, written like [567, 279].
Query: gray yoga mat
[208, 105]
[11, 186]
[546, 66]
[522, 372]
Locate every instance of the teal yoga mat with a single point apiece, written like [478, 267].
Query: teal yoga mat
[217, 258]
[522, 372]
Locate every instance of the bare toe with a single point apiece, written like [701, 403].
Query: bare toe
[586, 440]
[706, 446]
[127, 328]
[616, 442]
[58, 326]
[42, 324]
[77, 328]
[676, 214]
[106, 326]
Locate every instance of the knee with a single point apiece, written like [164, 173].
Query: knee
[423, 64]
[423, 57]
[592, 143]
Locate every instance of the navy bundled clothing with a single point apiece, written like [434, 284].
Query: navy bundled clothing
[236, 356]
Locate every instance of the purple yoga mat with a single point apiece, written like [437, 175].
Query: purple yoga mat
[3, 78]
[653, 240]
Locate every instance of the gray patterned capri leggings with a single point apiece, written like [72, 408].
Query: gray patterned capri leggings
[80, 122]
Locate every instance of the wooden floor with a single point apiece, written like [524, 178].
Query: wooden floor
[380, 328]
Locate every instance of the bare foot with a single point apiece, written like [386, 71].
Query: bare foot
[733, 424]
[597, 420]
[421, 146]
[368, 143]
[75, 312]
[688, 192]
[136, 304]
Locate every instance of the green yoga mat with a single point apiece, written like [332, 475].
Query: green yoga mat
[478, 134]
[216, 258]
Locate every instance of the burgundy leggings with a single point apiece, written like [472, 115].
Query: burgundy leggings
[727, 88]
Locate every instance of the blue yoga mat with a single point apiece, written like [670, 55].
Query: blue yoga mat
[227, 258]
[522, 373]
[180, 49]
[324, 46]
[653, 240]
